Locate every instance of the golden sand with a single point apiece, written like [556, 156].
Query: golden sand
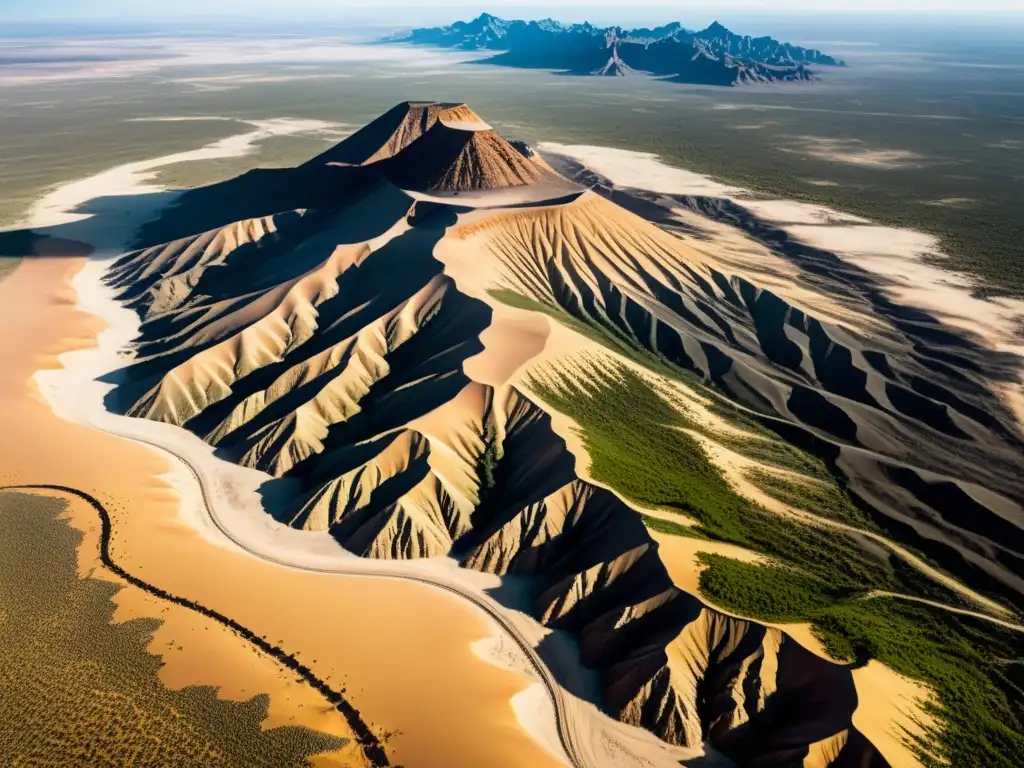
[891, 712]
[403, 651]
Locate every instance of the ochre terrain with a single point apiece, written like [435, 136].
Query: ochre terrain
[444, 708]
[353, 348]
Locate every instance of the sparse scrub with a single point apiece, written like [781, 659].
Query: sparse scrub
[674, 529]
[487, 463]
[763, 447]
[821, 499]
[817, 575]
[74, 686]
[7, 265]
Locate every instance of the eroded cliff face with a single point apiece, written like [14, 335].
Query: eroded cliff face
[348, 376]
[670, 663]
[906, 407]
[340, 350]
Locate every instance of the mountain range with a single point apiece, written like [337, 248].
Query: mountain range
[712, 56]
[436, 343]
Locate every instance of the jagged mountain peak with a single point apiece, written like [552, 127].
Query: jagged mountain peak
[664, 50]
[460, 155]
[716, 29]
[396, 129]
[359, 351]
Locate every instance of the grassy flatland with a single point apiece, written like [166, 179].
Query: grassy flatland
[78, 690]
[638, 445]
[982, 238]
[775, 157]
[960, 124]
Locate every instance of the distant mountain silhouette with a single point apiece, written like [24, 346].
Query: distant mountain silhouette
[713, 56]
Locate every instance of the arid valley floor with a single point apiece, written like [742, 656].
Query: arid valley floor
[359, 434]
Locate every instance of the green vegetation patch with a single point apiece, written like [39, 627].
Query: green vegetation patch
[784, 594]
[76, 689]
[759, 444]
[973, 665]
[763, 447]
[638, 445]
[821, 499]
[674, 529]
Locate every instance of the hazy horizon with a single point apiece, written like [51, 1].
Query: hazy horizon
[525, 399]
[414, 12]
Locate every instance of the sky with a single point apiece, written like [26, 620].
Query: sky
[416, 10]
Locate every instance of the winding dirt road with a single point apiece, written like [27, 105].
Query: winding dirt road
[935, 604]
[574, 724]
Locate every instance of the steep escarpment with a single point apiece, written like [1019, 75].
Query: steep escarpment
[393, 131]
[377, 358]
[670, 664]
[712, 56]
[349, 384]
[452, 157]
[882, 406]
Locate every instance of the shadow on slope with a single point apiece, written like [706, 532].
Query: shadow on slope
[918, 395]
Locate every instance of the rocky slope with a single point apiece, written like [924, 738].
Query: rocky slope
[353, 351]
[713, 56]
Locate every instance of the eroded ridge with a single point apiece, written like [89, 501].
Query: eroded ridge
[356, 352]
[912, 424]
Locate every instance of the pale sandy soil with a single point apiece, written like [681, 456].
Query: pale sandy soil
[680, 553]
[641, 170]
[563, 352]
[953, 202]
[681, 557]
[500, 197]
[795, 212]
[451, 709]
[213, 508]
[732, 250]
[894, 714]
[231, 496]
[81, 59]
[195, 650]
[896, 256]
[208, 83]
[59, 205]
[852, 152]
